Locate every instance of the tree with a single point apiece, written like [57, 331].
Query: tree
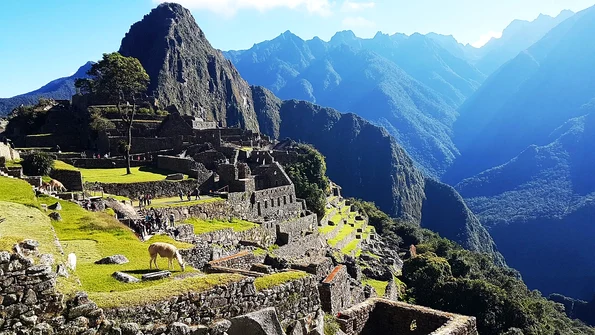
[120, 80]
[38, 164]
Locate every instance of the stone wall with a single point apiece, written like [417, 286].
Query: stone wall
[158, 189]
[375, 316]
[198, 256]
[8, 153]
[104, 163]
[71, 179]
[28, 295]
[140, 144]
[176, 164]
[276, 203]
[242, 260]
[263, 235]
[292, 300]
[334, 290]
[290, 231]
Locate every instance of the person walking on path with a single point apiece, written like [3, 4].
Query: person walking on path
[181, 194]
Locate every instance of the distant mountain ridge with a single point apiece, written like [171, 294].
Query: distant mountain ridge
[61, 88]
[527, 99]
[374, 78]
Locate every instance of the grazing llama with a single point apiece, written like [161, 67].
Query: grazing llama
[72, 261]
[165, 250]
[53, 185]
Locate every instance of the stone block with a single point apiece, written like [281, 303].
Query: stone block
[55, 216]
[115, 259]
[263, 322]
[124, 277]
[175, 177]
[55, 207]
[156, 275]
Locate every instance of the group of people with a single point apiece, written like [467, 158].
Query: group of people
[145, 200]
[194, 193]
[153, 222]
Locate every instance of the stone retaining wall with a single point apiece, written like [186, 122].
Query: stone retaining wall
[375, 316]
[292, 300]
[28, 295]
[103, 163]
[71, 179]
[158, 189]
[242, 260]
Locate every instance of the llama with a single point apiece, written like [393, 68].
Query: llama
[72, 261]
[53, 185]
[165, 250]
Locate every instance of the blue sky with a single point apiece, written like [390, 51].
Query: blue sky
[41, 40]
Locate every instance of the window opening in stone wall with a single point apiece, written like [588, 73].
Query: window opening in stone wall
[266, 205]
[291, 198]
[272, 202]
[278, 201]
[259, 210]
[284, 200]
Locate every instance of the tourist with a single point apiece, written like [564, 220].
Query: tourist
[189, 196]
[181, 194]
[149, 198]
[197, 193]
[172, 219]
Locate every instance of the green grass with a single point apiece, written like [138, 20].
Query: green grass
[260, 252]
[379, 286]
[17, 191]
[336, 218]
[23, 222]
[60, 165]
[93, 235]
[175, 202]
[15, 163]
[350, 247]
[345, 231]
[161, 290]
[207, 226]
[118, 175]
[275, 279]
[326, 229]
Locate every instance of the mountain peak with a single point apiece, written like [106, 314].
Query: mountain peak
[185, 70]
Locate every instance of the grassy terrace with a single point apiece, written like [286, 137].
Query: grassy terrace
[345, 231]
[175, 202]
[91, 236]
[118, 175]
[379, 286]
[275, 279]
[207, 226]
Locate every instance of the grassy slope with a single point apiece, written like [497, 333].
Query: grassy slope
[275, 279]
[206, 226]
[118, 175]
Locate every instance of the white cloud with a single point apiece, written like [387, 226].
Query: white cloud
[485, 38]
[353, 6]
[353, 22]
[230, 7]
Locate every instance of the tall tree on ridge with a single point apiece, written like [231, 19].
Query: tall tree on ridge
[120, 80]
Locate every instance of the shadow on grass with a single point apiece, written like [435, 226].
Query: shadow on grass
[145, 271]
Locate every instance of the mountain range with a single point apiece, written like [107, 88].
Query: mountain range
[508, 125]
[61, 88]
[363, 158]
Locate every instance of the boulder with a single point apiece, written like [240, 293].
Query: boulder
[221, 327]
[55, 216]
[29, 244]
[124, 277]
[61, 270]
[156, 275]
[47, 259]
[115, 259]
[55, 207]
[175, 176]
[178, 328]
[263, 322]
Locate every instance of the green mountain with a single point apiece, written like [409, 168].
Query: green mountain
[61, 88]
[540, 205]
[368, 163]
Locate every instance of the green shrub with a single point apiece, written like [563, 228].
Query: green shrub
[331, 327]
[38, 164]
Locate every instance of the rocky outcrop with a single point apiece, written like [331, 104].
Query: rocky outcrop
[263, 322]
[115, 259]
[186, 71]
